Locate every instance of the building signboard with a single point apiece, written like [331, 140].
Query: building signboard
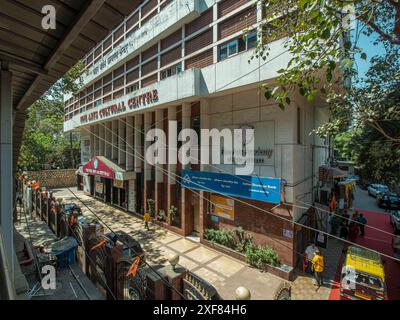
[249, 187]
[98, 168]
[222, 207]
[99, 187]
[133, 102]
[118, 184]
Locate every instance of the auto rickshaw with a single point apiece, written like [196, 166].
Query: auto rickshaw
[363, 276]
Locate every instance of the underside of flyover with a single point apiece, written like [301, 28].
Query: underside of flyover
[32, 59]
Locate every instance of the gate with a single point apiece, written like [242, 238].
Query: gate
[130, 287]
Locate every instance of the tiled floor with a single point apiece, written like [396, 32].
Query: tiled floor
[223, 272]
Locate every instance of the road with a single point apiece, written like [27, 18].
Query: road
[365, 202]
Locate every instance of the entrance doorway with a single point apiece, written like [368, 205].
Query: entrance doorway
[196, 219]
[92, 185]
[108, 186]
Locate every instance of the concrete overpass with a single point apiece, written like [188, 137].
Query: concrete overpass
[32, 59]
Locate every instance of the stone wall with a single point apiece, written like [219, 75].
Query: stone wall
[54, 178]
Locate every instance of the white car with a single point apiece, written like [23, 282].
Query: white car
[395, 220]
[374, 189]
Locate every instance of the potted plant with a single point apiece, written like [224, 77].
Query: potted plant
[161, 216]
[151, 206]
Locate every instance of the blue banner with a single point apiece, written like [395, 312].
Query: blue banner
[249, 187]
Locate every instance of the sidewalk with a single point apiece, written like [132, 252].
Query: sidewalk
[67, 287]
[303, 286]
[223, 272]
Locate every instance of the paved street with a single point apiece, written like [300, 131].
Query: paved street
[365, 202]
[222, 271]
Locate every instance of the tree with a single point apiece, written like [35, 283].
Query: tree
[322, 38]
[44, 143]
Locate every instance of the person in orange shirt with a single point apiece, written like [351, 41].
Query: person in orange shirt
[318, 267]
[333, 204]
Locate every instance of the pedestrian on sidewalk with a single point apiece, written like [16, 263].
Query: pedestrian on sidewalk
[344, 230]
[362, 222]
[146, 218]
[310, 253]
[353, 231]
[318, 268]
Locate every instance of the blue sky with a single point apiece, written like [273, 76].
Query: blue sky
[366, 44]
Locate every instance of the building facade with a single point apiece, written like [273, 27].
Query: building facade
[189, 61]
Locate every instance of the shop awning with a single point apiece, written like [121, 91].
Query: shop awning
[103, 167]
[334, 172]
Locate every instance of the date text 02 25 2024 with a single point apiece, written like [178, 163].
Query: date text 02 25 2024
[212, 309]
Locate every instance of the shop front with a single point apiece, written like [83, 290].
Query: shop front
[110, 183]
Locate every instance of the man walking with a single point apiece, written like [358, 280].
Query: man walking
[362, 222]
[146, 219]
[318, 267]
[310, 252]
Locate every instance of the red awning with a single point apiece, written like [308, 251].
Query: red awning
[97, 167]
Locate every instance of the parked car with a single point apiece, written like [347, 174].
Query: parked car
[396, 245]
[389, 201]
[395, 220]
[374, 189]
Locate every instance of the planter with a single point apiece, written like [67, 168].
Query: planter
[285, 272]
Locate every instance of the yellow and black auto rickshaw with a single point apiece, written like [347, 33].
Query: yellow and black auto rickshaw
[363, 276]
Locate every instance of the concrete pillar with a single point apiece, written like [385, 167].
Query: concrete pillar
[215, 33]
[159, 183]
[130, 152]
[186, 208]
[102, 139]
[114, 139]
[92, 141]
[138, 143]
[147, 166]
[121, 142]
[204, 124]
[172, 153]
[6, 166]
[96, 140]
[108, 136]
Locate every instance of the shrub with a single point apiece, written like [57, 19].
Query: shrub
[256, 256]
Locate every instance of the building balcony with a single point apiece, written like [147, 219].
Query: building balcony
[166, 21]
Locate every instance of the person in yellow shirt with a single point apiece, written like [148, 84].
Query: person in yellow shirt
[318, 267]
[146, 219]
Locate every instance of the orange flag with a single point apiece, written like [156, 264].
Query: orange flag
[100, 244]
[134, 267]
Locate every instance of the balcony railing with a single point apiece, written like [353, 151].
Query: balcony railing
[174, 12]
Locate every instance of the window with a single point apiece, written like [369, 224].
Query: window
[132, 88]
[171, 71]
[251, 40]
[228, 49]
[97, 103]
[238, 45]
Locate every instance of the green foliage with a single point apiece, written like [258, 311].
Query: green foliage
[44, 145]
[318, 37]
[151, 204]
[235, 239]
[257, 256]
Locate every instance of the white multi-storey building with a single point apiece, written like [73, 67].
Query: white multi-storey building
[189, 61]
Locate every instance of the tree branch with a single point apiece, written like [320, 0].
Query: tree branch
[378, 30]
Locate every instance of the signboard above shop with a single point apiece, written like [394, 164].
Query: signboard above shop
[249, 187]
